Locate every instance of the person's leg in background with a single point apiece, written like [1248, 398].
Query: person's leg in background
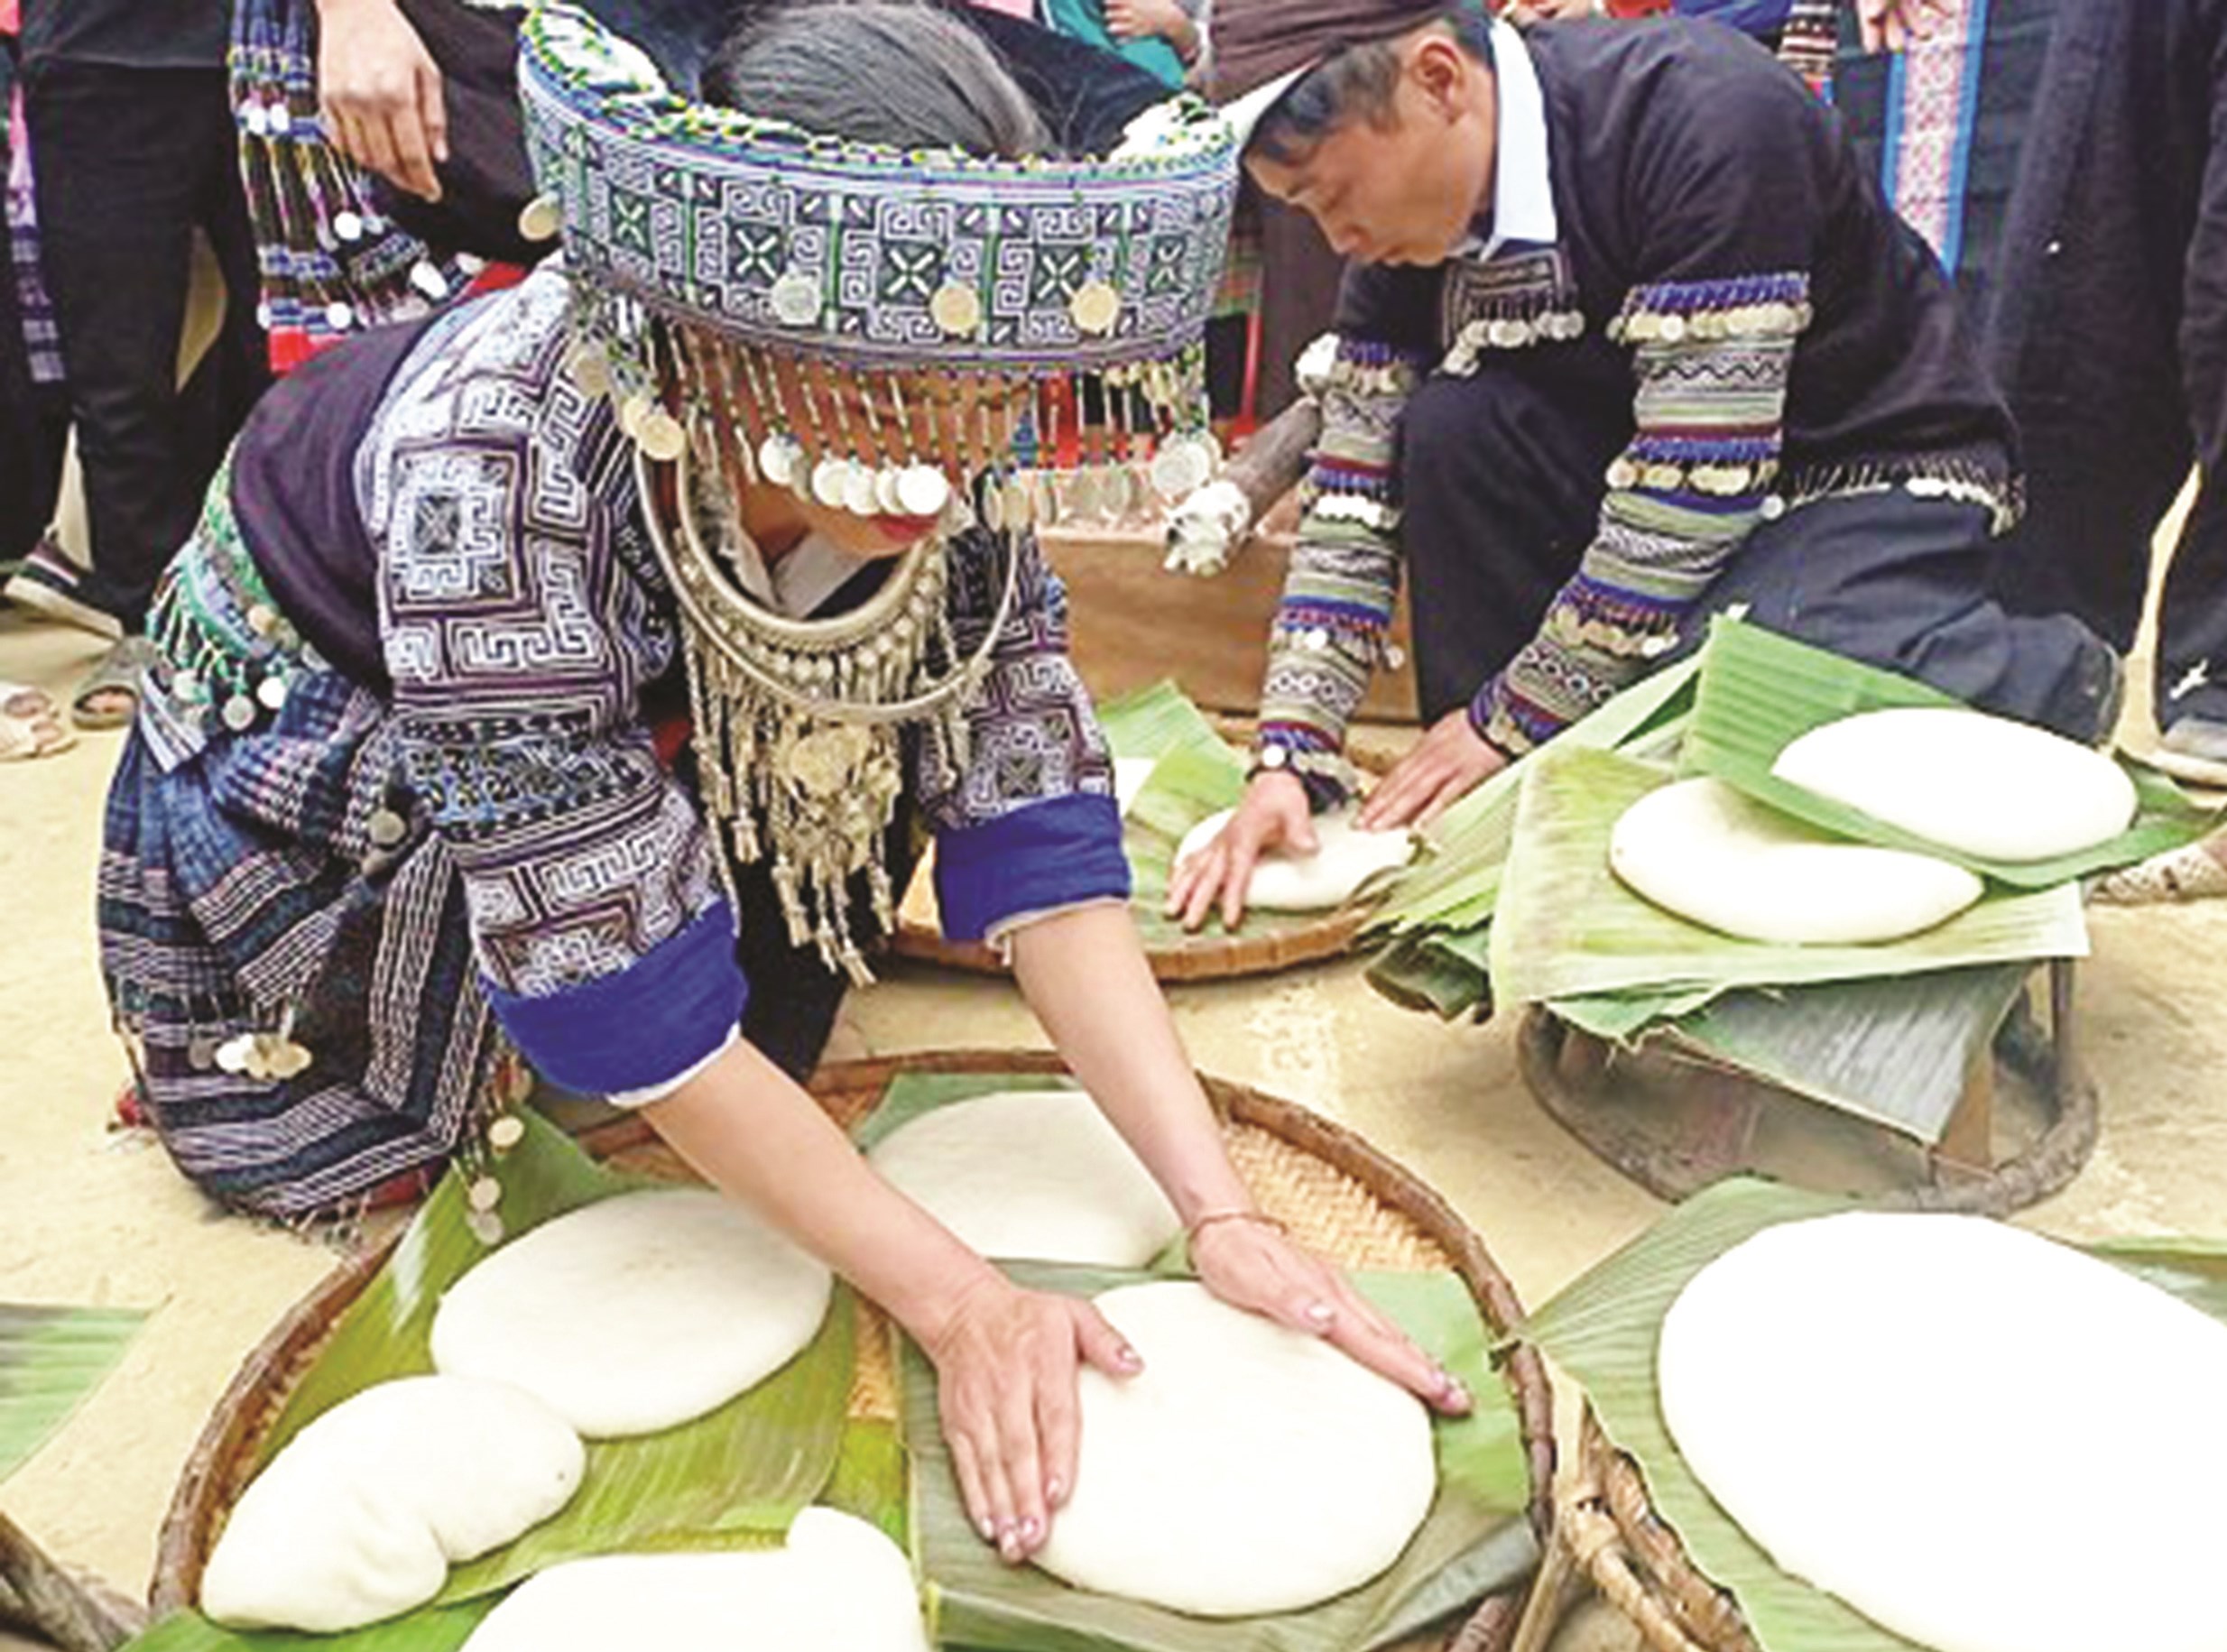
[1500, 495]
[125, 159]
[1901, 583]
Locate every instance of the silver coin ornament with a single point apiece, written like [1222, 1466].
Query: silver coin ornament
[923, 490]
[830, 477]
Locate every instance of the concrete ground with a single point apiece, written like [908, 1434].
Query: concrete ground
[90, 1216]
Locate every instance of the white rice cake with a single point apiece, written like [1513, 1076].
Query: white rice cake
[836, 1585]
[1037, 1174]
[361, 1515]
[1979, 785]
[1981, 1440]
[1247, 1469]
[637, 1312]
[1345, 857]
[1706, 852]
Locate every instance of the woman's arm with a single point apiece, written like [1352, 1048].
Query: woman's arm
[1005, 1357]
[1086, 975]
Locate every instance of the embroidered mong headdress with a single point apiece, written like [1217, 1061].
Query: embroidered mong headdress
[698, 234]
[905, 333]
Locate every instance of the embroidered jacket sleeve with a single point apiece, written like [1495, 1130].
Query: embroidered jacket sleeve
[519, 641]
[1025, 821]
[1330, 628]
[1721, 256]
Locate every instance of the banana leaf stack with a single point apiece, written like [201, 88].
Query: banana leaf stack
[826, 1428]
[1516, 904]
[1604, 1330]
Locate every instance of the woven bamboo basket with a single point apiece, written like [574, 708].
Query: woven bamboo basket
[1206, 955]
[1336, 1192]
[1567, 1071]
[1608, 1535]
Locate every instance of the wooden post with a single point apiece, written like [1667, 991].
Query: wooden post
[1967, 1145]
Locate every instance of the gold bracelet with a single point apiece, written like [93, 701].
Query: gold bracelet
[1191, 1234]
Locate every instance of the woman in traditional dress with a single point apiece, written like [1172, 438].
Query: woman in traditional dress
[395, 803]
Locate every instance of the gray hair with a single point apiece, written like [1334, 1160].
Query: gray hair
[880, 71]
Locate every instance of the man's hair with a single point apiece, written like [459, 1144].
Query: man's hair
[879, 71]
[1357, 83]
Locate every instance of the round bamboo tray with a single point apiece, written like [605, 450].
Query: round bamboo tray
[1565, 1071]
[1336, 1192]
[1206, 955]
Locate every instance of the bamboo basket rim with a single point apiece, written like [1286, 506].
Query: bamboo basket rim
[1203, 957]
[2049, 1061]
[1636, 1561]
[251, 1400]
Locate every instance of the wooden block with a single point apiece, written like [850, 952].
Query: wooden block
[1968, 1142]
[1134, 622]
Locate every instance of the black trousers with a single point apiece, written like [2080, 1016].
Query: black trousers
[128, 163]
[1502, 485]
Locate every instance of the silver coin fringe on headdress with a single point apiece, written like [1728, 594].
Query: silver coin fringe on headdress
[904, 333]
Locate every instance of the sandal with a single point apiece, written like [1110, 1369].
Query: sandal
[30, 725]
[118, 672]
[2193, 871]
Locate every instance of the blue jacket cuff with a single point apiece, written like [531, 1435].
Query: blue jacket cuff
[639, 1026]
[1041, 856]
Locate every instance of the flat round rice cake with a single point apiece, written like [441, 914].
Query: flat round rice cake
[1979, 785]
[360, 1516]
[1979, 1439]
[1248, 1468]
[1038, 1174]
[1345, 857]
[1704, 851]
[637, 1312]
[836, 1585]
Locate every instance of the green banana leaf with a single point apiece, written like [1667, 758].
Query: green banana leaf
[2194, 1270]
[1760, 691]
[1475, 1540]
[1566, 927]
[1155, 721]
[1898, 1051]
[431, 1628]
[1434, 971]
[1603, 1328]
[51, 1359]
[1198, 773]
[1621, 1017]
[1455, 883]
[872, 1477]
[733, 1477]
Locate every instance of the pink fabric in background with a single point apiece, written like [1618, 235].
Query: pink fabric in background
[10, 21]
[1011, 8]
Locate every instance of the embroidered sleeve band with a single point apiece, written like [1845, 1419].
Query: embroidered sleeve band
[1345, 578]
[1711, 359]
[642, 1028]
[1063, 852]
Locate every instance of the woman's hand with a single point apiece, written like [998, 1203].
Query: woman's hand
[1446, 765]
[1006, 1361]
[1889, 25]
[379, 93]
[1275, 814]
[1250, 1263]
